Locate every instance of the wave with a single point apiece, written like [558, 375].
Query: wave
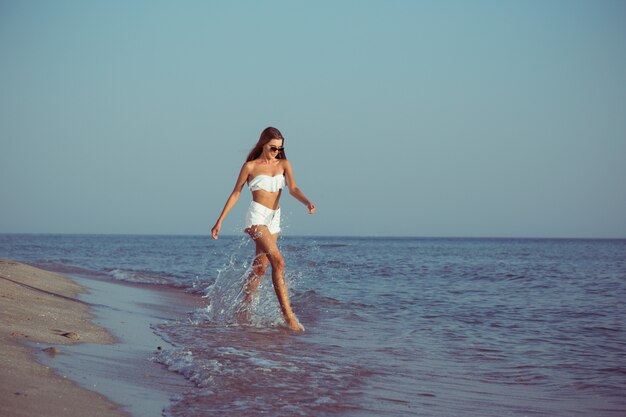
[182, 361]
[313, 298]
[135, 276]
[63, 266]
[239, 369]
[152, 278]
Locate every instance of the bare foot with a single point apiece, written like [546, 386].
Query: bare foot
[294, 324]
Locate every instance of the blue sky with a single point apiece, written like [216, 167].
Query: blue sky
[401, 118]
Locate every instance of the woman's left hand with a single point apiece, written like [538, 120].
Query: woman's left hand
[311, 207]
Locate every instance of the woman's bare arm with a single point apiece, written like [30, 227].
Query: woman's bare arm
[294, 190]
[232, 199]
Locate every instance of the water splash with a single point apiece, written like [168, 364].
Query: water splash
[225, 295]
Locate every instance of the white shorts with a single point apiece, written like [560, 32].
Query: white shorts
[258, 214]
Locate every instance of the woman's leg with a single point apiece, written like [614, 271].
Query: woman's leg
[259, 266]
[266, 242]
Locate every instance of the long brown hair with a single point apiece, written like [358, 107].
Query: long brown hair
[268, 134]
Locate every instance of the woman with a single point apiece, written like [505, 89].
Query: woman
[266, 171]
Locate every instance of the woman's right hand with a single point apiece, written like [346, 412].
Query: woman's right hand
[215, 231]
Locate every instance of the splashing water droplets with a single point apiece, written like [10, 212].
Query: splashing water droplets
[225, 296]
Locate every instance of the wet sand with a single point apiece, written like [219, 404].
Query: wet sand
[82, 346]
[41, 308]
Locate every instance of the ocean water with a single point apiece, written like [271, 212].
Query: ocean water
[394, 326]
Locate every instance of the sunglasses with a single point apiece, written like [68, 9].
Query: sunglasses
[276, 149]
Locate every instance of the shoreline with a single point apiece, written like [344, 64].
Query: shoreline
[98, 342]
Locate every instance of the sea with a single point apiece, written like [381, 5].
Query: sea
[394, 326]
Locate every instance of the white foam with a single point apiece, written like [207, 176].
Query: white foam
[199, 371]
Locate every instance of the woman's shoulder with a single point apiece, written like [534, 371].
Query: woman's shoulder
[249, 165]
[247, 168]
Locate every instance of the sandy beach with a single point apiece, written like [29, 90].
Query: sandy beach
[40, 308]
[76, 344]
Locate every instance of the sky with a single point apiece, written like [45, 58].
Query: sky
[401, 118]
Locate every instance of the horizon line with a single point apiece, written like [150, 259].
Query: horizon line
[208, 235]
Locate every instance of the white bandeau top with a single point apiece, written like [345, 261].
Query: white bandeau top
[267, 183]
